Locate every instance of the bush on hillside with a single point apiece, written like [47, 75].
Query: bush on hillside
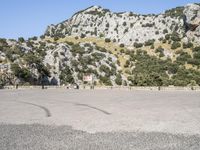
[149, 42]
[21, 39]
[107, 40]
[118, 79]
[138, 45]
[187, 45]
[175, 45]
[121, 45]
[175, 37]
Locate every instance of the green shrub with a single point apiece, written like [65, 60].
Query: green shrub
[98, 56]
[175, 12]
[118, 79]
[131, 14]
[159, 50]
[193, 61]
[107, 25]
[107, 40]
[196, 49]
[106, 70]
[152, 47]
[148, 25]
[34, 38]
[172, 68]
[175, 45]
[114, 40]
[124, 23]
[121, 45]
[101, 35]
[157, 32]
[101, 49]
[126, 30]
[131, 25]
[165, 31]
[76, 48]
[83, 35]
[56, 38]
[161, 55]
[196, 55]
[164, 41]
[21, 39]
[106, 81]
[187, 45]
[175, 37]
[22, 73]
[138, 45]
[32, 59]
[183, 57]
[3, 42]
[167, 36]
[122, 50]
[127, 64]
[149, 42]
[66, 76]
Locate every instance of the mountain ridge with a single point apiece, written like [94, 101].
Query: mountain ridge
[130, 26]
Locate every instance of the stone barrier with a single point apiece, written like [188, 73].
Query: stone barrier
[134, 88]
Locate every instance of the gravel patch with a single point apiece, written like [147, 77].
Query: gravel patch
[43, 137]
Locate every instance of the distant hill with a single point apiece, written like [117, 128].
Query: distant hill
[116, 48]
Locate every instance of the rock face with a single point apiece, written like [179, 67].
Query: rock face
[92, 60]
[127, 27]
[192, 14]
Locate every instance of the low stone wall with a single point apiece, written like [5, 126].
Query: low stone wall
[169, 88]
[172, 88]
[196, 88]
[35, 87]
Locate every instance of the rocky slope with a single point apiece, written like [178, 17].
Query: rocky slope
[128, 28]
[116, 48]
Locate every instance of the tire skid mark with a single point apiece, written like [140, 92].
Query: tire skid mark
[92, 107]
[46, 110]
[88, 106]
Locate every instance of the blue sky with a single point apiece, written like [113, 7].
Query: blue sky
[29, 18]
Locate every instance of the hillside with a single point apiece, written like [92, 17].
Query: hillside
[116, 48]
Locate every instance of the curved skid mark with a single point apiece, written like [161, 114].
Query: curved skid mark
[46, 110]
[85, 105]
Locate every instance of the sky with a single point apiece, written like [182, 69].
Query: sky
[28, 18]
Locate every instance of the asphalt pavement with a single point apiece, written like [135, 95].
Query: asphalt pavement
[99, 119]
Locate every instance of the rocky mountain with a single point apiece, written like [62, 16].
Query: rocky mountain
[129, 28]
[115, 48]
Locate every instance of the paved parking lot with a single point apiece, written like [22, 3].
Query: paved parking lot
[99, 119]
